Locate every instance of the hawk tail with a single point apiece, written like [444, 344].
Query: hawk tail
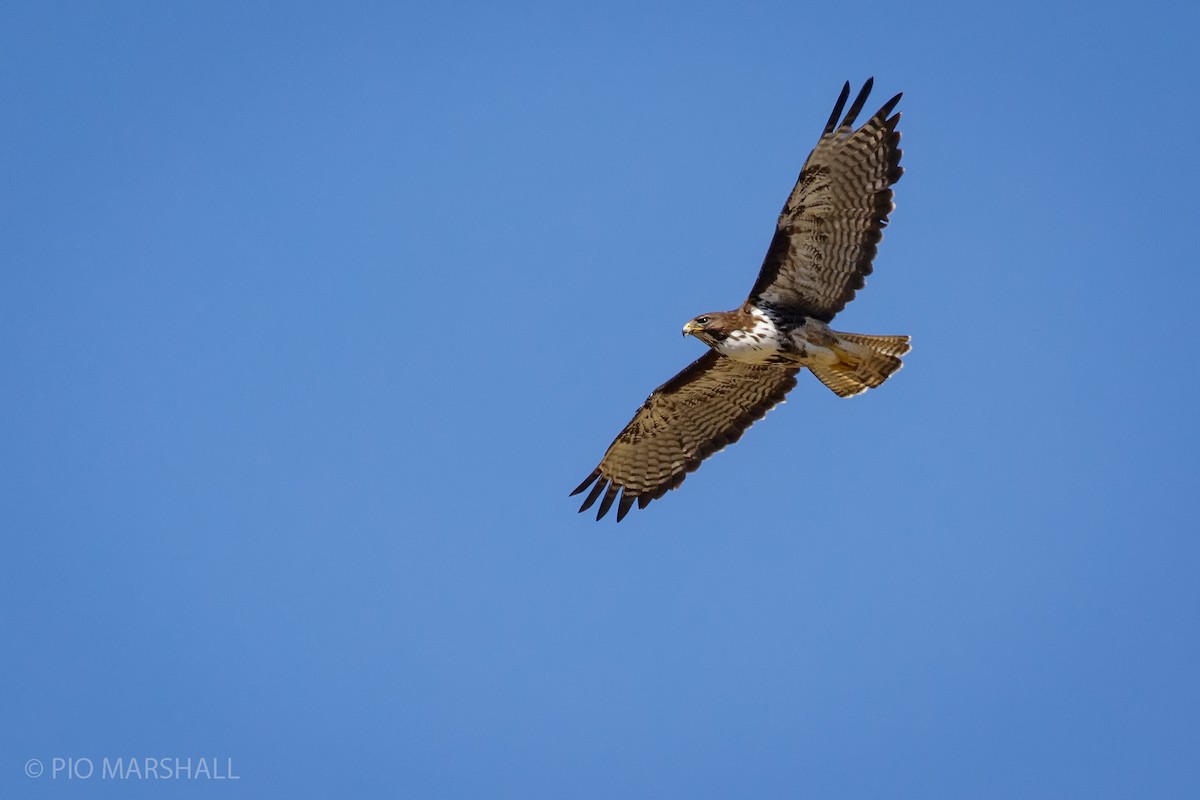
[864, 362]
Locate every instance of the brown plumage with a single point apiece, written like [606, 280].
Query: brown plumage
[821, 253]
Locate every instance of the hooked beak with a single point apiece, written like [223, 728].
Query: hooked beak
[691, 328]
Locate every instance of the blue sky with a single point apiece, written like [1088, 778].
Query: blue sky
[311, 316]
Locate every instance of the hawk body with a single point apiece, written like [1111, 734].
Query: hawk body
[824, 244]
[762, 334]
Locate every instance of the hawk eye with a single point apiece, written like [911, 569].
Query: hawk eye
[702, 320]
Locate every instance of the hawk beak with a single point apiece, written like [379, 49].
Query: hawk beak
[690, 328]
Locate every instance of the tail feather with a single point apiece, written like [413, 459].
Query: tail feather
[888, 345]
[865, 362]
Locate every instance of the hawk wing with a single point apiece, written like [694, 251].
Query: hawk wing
[699, 411]
[829, 227]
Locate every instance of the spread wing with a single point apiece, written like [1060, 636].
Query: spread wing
[828, 230]
[699, 411]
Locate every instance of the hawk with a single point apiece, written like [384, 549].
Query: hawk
[820, 256]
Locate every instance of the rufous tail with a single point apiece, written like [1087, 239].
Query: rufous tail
[866, 362]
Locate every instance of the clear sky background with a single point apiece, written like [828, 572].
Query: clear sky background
[312, 315]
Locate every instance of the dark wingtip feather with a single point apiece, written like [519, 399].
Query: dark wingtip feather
[857, 106]
[606, 503]
[625, 504]
[887, 108]
[586, 483]
[592, 496]
[837, 108]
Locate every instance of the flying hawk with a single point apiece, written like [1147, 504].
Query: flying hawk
[820, 256]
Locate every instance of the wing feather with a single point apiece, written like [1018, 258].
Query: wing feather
[704, 408]
[826, 236]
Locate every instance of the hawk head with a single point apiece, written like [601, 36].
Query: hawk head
[713, 327]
